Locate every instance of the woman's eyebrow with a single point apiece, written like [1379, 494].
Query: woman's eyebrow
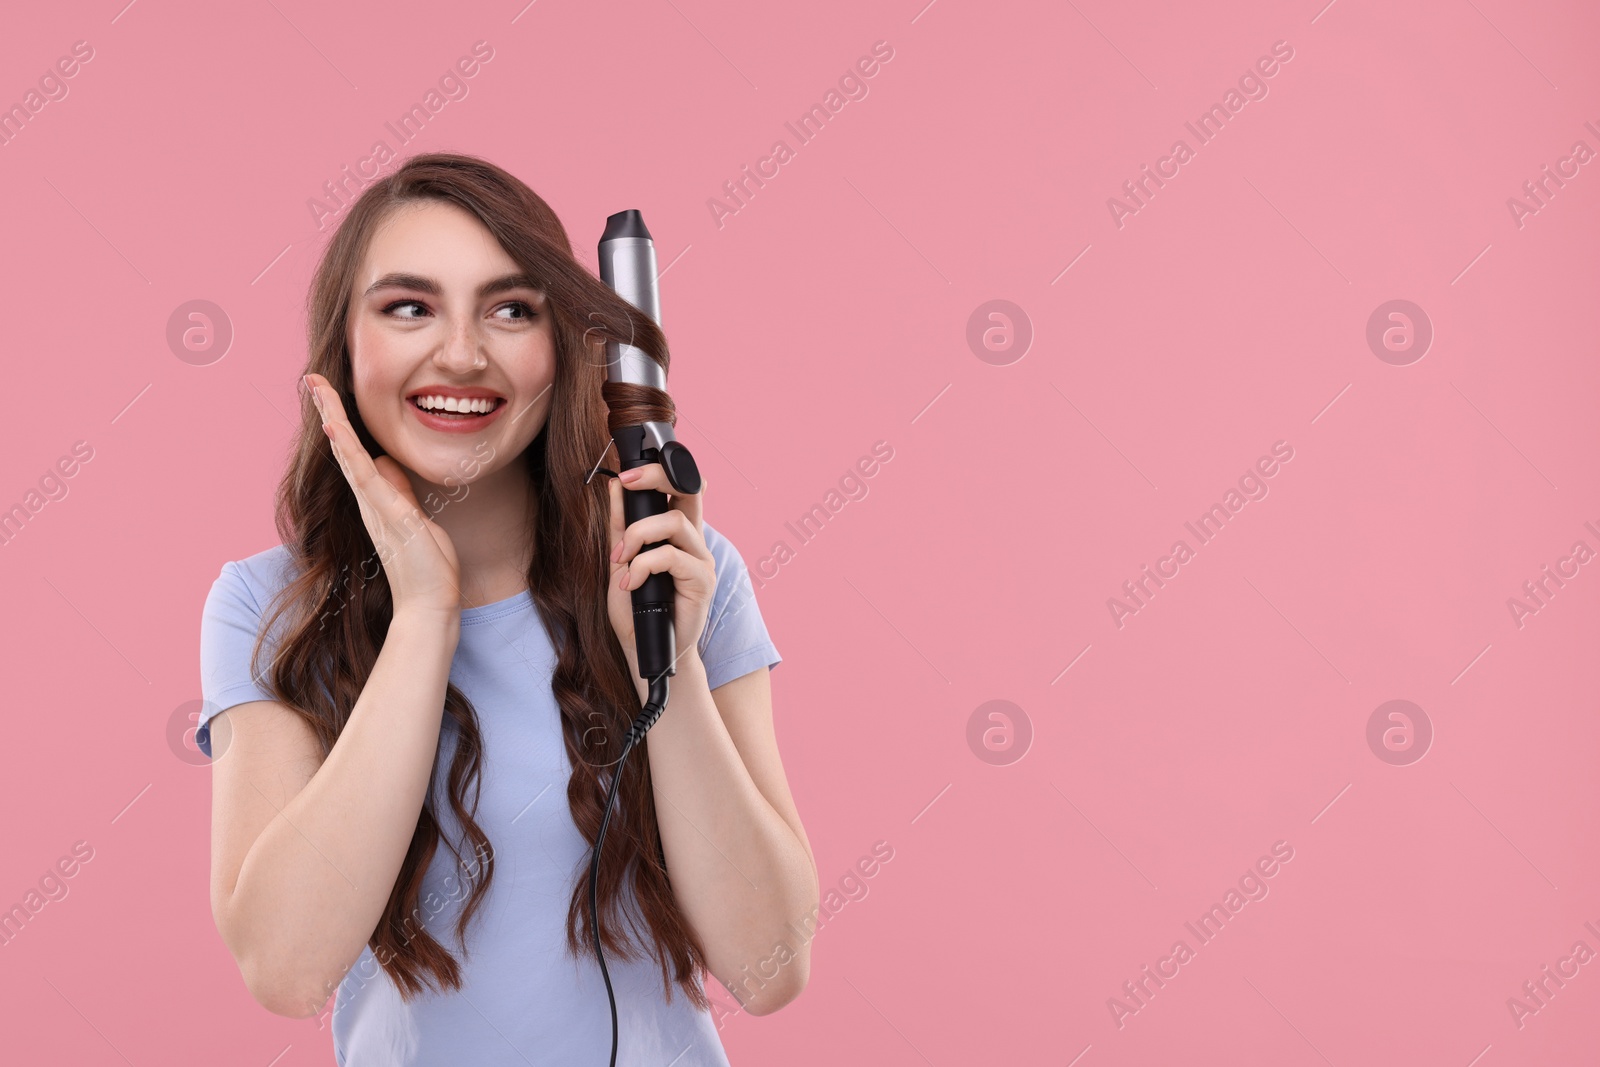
[401, 280]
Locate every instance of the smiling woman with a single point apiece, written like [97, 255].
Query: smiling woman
[373, 733]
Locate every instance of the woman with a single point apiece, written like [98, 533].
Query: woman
[397, 693]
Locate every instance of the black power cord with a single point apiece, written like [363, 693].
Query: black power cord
[647, 718]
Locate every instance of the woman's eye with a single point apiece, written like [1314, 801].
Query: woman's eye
[390, 310]
[527, 310]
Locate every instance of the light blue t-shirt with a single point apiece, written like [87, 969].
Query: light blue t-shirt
[523, 999]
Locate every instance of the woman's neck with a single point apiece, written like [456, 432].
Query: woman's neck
[488, 523]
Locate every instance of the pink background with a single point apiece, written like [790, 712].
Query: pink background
[832, 312]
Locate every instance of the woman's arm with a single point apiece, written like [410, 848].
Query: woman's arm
[740, 863]
[305, 856]
[305, 851]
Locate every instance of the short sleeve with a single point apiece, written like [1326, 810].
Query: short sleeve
[228, 628]
[735, 641]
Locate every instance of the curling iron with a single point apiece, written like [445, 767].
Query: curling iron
[628, 265]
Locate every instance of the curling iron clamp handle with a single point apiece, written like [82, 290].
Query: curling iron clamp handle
[683, 474]
[680, 467]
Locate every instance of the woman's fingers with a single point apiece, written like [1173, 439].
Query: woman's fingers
[671, 526]
[683, 566]
[388, 505]
[651, 476]
[358, 467]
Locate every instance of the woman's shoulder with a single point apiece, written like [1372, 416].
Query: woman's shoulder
[733, 573]
[259, 576]
[735, 640]
[722, 549]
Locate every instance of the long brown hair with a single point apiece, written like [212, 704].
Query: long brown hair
[340, 605]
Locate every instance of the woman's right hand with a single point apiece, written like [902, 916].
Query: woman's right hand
[416, 554]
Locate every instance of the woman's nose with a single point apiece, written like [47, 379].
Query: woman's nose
[462, 350]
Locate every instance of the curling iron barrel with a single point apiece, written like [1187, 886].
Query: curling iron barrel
[628, 265]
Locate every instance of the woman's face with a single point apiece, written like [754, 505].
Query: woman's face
[439, 310]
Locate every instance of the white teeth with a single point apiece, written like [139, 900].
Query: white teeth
[450, 403]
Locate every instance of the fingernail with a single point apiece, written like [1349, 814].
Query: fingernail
[624, 583]
[327, 430]
[629, 475]
[616, 551]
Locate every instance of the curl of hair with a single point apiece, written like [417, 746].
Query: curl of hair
[339, 605]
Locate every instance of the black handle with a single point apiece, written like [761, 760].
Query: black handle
[654, 637]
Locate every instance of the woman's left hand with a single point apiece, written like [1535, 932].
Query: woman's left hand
[685, 556]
